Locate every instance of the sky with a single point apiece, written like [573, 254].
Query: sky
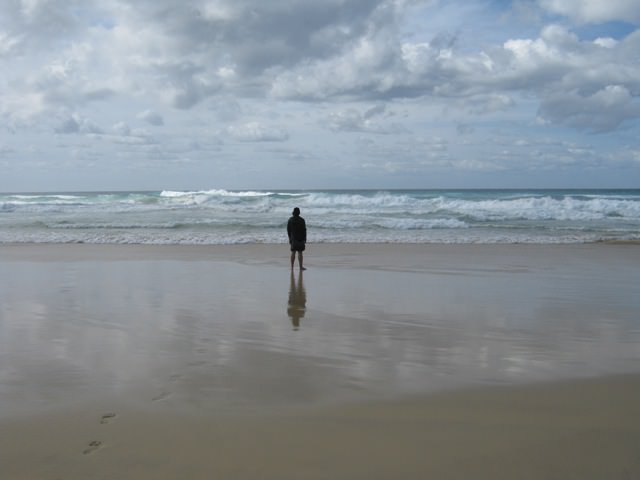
[304, 94]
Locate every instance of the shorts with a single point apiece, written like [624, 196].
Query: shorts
[297, 246]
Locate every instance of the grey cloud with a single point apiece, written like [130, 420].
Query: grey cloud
[226, 109]
[464, 129]
[39, 23]
[67, 95]
[122, 128]
[77, 124]
[151, 117]
[253, 41]
[41, 87]
[8, 43]
[488, 103]
[97, 94]
[260, 35]
[602, 111]
[4, 150]
[186, 83]
[348, 120]
[374, 111]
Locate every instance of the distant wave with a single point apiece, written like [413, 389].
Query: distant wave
[213, 194]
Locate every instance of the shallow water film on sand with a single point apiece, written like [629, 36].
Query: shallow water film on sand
[231, 327]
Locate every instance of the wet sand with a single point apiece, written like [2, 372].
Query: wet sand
[380, 361]
[587, 430]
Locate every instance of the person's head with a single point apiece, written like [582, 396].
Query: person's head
[296, 212]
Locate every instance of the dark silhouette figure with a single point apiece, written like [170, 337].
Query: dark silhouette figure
[297, 301]
[297, 232]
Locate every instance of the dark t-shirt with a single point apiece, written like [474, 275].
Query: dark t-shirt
[297, 229]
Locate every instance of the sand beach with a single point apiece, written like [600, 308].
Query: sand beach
[379, 361]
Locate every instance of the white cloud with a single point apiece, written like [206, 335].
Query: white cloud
[257, 132]
[605, 42]
[595, 11]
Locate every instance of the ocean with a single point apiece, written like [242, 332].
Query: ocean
[220, 216]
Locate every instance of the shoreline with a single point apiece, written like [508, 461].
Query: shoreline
[240, 250]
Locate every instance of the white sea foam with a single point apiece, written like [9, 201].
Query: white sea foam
[223, 216]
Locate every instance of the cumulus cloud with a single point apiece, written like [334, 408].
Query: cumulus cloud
[581, 84]
[556, 63]
[186, 53]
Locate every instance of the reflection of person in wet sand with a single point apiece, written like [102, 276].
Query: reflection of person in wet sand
[297, 300]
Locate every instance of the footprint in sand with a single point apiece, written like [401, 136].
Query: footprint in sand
[107, 417]
[93, 446]
[160, 396]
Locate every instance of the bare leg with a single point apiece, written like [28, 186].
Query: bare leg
[293, 259]
[300, 258]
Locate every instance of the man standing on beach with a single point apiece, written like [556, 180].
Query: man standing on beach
[297, 232]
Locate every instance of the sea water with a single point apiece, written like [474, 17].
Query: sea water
[220, 216]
